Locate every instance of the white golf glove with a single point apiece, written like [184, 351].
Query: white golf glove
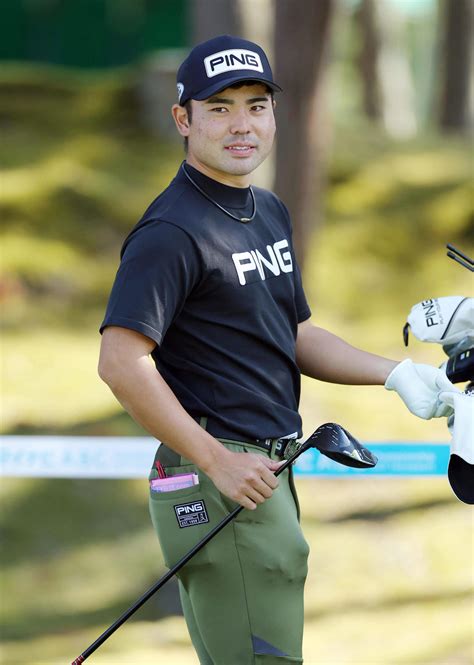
[419, 387]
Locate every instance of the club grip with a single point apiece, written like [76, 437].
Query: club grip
[80, 659]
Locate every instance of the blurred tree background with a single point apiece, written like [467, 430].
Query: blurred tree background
[373, 159]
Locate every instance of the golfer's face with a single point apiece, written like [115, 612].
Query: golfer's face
[231, 133]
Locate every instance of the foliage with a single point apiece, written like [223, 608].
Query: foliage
[78, 170]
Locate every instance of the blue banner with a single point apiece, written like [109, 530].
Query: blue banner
[127, 457]
[394, 459]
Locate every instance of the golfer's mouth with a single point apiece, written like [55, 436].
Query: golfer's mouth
[240, 149]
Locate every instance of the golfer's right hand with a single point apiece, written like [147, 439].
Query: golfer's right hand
[246, 478]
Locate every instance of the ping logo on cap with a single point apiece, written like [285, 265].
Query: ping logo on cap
[227, 61]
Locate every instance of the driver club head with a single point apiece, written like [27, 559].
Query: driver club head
[339, 445]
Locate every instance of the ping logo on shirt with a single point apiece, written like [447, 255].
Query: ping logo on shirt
[191, 514]
[227, 61]
[276, 262]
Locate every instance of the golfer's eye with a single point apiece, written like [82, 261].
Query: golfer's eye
[219, 109]
[258, 107]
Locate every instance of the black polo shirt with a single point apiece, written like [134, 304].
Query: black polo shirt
[222, 300]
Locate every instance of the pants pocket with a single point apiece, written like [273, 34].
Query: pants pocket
[181, 519]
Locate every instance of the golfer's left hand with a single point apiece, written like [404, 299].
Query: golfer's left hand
[420, 386]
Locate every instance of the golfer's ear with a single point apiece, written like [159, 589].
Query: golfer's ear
[180, 117]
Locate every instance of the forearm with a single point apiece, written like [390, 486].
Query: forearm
[145, 395]
[324, 356]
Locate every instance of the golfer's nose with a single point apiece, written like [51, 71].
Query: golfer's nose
[240, 122]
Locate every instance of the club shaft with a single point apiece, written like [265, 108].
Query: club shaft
[454, 250]
[469, 266]
[172, 571]
[153, 589]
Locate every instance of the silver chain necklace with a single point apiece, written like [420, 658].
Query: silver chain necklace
[244, 220]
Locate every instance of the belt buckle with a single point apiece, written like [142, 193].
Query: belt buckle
[291, 447]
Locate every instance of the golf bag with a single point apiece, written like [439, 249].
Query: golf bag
[449, 321]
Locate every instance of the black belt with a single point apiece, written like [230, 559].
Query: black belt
[279, 446]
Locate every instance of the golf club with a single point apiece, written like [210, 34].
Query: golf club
[460, 257]
[330, 439]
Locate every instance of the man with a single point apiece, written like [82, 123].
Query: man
[209, 287]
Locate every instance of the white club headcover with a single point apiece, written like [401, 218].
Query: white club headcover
[419, 387]
[461, 461]
[445, 320]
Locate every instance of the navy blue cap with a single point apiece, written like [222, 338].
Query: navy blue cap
[219, 63]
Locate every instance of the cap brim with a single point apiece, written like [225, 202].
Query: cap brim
[227, 83]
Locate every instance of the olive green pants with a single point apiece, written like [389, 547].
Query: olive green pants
[242, 594]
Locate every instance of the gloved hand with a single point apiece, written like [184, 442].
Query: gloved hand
[419, 387]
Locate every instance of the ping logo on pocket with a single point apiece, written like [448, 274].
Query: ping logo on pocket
[191, 514]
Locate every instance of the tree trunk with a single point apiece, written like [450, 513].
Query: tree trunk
[457, 18]
[368, 57]
[302, 32]
[394, 72]
[210, 18]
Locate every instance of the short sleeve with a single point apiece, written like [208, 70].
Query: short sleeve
[303, 310]
[160, 267]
